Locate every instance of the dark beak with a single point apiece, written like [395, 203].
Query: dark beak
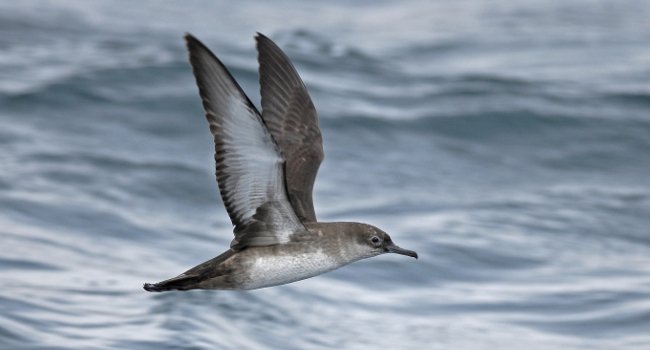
[392, 248]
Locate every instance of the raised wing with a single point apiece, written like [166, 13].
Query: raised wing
[291, 118]
[250, 168]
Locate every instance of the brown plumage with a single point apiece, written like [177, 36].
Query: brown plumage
[266, 165]
[291, 118]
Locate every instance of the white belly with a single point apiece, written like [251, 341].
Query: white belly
[273, 270]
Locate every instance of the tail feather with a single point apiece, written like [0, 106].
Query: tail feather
[181, 282]
[193, 278]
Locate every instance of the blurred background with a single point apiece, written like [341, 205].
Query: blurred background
[507, 142]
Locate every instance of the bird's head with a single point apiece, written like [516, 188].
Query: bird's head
[374, 241]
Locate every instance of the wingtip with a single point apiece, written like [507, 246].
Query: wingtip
[191, 40]
[261, 38]
[196, 49]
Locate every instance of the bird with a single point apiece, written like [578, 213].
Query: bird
[266, 165]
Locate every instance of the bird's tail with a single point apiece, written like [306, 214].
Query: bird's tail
[180, 282]
[192, 278]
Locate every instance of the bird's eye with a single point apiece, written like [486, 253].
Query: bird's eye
[374, 239]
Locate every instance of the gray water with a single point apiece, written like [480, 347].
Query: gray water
[508, 143]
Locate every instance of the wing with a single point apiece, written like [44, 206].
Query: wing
[250, 168]
[291, 118]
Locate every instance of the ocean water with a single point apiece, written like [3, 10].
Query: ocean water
[507, 142]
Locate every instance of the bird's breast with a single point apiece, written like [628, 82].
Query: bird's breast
[271, 266]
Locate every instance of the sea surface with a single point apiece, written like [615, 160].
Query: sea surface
[507, 142]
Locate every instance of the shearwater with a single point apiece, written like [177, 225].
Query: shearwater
[266, 165]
